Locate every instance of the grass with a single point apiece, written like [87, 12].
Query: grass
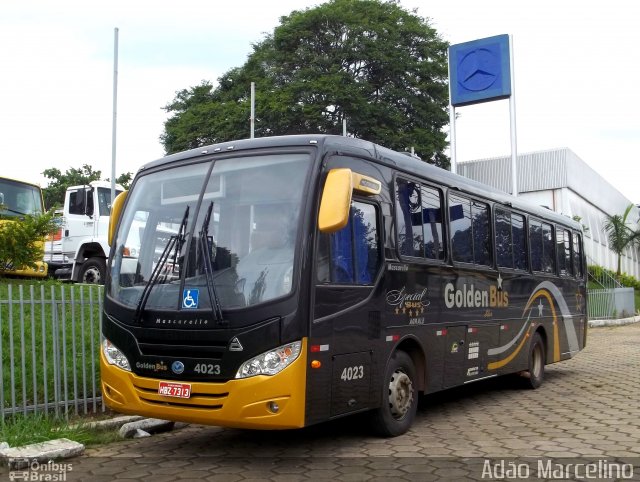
[22, 430]
[48, 344]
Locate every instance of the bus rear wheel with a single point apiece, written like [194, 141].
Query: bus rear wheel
[399, 397]
[534, 376]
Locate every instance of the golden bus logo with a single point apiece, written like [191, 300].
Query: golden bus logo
[468, 296]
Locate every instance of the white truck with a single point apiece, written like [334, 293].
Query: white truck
[79, 251]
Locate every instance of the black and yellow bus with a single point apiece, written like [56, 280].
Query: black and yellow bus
[280, 282]
[18, 199]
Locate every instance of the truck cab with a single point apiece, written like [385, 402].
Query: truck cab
[83, 246]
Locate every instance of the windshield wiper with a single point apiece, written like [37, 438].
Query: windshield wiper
[19, 213]
[174, 245]
[206, 248]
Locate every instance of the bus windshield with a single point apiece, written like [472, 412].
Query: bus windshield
[18, 198]
[210, 237]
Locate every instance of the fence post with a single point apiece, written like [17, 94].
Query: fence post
[44, 349]
[64, 351]
[11, 353]
[1, 371]
[84, 358]
[73, 349]
[33, 349]
[54, 352]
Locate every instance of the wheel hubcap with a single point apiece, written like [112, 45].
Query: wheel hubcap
[92, 275]
[400, 394]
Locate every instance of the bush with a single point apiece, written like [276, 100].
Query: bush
[625, 280]
[22, 240]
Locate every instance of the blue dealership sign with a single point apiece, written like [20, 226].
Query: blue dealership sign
[480, 70]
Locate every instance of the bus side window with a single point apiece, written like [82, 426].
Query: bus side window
[519, 242]
[577, 255]
[564, 252]
[542, 247]
[511, 247]
[409, 219]
[548, 249]
[419, 220]
[460, 230]
[535, 244]
[432, 223]
[351, 255]
[504, 252]
[469, 231]
[481, 241]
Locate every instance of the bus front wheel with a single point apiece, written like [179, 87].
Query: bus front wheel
[534, 376]
[399, 397]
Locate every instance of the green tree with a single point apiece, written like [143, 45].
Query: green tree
[21, 240]
[371, 62]
[55, 191]
[124, 179]
[620, 235]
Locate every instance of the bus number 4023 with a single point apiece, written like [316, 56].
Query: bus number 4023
[352, 373]
[207, 369]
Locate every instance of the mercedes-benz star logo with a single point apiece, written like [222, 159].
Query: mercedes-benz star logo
[177, 367]
[476, 71]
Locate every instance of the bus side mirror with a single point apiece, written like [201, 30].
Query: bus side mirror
[336, 201]
[116, 212]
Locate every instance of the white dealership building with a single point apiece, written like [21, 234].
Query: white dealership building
[560, 180]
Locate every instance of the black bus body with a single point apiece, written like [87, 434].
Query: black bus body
[435, 281]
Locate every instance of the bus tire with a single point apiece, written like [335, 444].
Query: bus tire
[534, 376]
[399, 397]
[93, 271]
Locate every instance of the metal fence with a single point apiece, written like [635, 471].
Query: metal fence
[610, 303]
[49, 341]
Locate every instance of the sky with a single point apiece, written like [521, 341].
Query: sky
[577, 75]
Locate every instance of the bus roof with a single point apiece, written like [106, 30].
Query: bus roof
[397, 160]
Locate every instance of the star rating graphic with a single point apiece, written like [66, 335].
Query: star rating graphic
[499, 280]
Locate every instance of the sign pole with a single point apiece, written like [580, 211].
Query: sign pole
[512, 113]
[115, 115]
[452, 124]
[253, 109]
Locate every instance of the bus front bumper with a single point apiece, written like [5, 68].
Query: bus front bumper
[240, 403]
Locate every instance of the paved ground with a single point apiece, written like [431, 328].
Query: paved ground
[588, 411]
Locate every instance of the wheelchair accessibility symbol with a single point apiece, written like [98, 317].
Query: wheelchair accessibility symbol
[190, 298]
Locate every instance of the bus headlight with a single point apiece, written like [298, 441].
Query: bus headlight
[270, 362]
[114, 356]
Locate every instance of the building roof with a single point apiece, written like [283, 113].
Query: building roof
[544, 170]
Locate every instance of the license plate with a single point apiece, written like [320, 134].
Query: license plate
[177, 390]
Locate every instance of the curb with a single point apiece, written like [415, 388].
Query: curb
[23, 457]
[133, 426]
[620, 322]
[146, 426]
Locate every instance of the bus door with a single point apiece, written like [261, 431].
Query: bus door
[348, 263]
[348, 295]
